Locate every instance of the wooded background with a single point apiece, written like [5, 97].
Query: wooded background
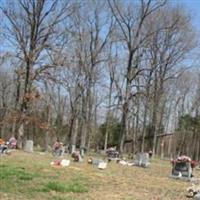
[95, 74]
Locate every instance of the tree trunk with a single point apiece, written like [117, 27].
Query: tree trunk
[14, 129]
[74, 136]
[108, 116]
[144, 129]
[84, 125]
[154, 126]
[89, 116]
[20, 136]
[123, 126]
[162, 148]
[154, 117]
[136, 132]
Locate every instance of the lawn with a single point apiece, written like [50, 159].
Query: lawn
[26, 176]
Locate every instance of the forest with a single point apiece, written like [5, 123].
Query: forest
[97, 74]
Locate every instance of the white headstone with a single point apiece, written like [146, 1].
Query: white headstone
[28, 146]
[65, 163]
[197, 196]
[73, 148]
[123, 162]
[82, 152]
[102, 165]
[142, 159]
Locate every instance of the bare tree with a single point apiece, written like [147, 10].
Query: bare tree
[89, 46]
[131, 33]
[32, 24]
[168, 47]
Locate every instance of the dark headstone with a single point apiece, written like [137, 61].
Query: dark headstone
[182, 169]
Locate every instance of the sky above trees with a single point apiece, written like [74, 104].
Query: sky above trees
[193, 6]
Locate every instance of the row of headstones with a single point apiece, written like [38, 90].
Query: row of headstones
[28, 147]
[142, 159]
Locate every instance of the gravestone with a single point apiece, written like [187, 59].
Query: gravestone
[82, 151]
[28, 146]
[96, 161]
[112, 154]
[102, 165]
[142, 160]
[197, 196]
[182, 169]
[65, 163]
[3, 148]
[73, 148]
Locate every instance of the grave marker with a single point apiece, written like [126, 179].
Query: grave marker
[28, 146]
[142, 160]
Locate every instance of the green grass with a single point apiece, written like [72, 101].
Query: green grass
[16, 180]
[55, 186]
[12, 172]
[62, 198]
[26, 176]
[30, 176]
[72, 186]
[57, 198]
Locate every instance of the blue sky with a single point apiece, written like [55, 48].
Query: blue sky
[193, 6]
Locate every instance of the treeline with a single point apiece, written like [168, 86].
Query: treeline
[99, 73]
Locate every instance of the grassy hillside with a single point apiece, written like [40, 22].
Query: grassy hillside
[29, 176]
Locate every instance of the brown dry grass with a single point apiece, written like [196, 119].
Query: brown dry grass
[116, 182]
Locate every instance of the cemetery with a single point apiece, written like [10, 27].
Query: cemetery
[100, 100]
[39, 174]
